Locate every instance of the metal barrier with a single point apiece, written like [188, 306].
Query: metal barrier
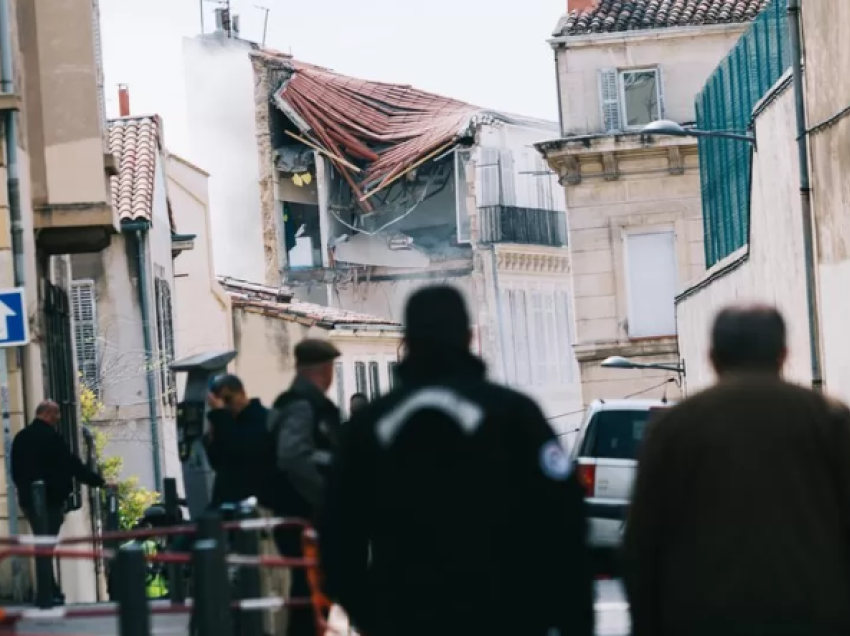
[212, 612]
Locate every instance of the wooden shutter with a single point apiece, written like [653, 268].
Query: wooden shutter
[84, 310]
[360, 378]
[507, 177]
[609, 100]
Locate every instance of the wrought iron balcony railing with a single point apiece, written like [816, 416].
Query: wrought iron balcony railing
[531, 226]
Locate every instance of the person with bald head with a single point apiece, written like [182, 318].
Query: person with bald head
[740, 515]
[40, 453]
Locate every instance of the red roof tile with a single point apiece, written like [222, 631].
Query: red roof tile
[629, 15]
[136, 143]
[280, 303]
[382, 128]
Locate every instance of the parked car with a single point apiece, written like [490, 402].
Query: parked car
[605, 454]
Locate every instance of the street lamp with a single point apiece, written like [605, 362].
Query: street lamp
[619, 362]
[672, 129]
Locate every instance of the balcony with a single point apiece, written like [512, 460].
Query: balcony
[528, 226]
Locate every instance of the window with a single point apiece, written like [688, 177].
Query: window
[374, 381]
[360, 378]
[165, 341]
[84, 307]
[538, 337]
[340, 384]
[616, 434]
[302, 235]
[651, 282]
[391, 371]
[631, 98]
[461, 195]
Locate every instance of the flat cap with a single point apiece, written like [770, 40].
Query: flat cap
[313, 351]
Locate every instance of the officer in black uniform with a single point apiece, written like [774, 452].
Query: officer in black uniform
[452, 508]
[304, 426]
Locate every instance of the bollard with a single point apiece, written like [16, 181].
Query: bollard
[211, 608]
[43, 564]
[111, 524]
[176, 583]
[248, 543]
[133, 610]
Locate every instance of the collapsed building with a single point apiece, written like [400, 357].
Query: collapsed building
[365, 191]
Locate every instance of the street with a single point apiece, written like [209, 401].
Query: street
[612, 619]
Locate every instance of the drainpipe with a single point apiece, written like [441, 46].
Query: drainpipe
[139, 231]
[10, 128]
[560, 100]
[794, 26]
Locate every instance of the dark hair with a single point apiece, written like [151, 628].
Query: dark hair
[748, 339]
[359, 396]
[227, 381]
[436, 322]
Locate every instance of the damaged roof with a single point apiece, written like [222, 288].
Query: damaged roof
[609, 16]
[374, 132]
[279, 303]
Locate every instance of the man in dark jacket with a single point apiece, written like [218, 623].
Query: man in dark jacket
[236, 442]
[740, 519]
[39, 453]
[452, 508]
[304, 425]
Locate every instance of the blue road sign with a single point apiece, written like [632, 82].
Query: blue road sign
[14, 326]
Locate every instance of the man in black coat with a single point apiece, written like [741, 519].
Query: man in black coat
[452, 508]
[304, 425]
[236, 442]
[39, 453]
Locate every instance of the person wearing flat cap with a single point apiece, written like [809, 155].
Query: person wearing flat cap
[304, 425]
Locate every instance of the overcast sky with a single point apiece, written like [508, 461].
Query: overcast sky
[485, 52]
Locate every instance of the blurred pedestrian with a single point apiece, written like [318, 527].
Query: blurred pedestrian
[304, 425]
[464, 496]
[356, 402]
[40, 453]
[236, 442]
[740, 519]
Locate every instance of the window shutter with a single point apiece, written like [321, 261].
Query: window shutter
[488, 177]
[659, 82]
[507, 177]
[374, 381]
[340, 385]
[360, 377]
[84, 309]
[168, 331]
[609, 99]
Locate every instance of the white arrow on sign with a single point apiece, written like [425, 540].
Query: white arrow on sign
[6, 312]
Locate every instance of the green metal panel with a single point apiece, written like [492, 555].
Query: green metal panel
[726, 102]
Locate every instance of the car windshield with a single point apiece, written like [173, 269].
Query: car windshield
[616, 434]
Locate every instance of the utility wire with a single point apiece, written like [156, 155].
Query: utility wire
[625, 397]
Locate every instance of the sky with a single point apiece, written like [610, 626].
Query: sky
[490, 54]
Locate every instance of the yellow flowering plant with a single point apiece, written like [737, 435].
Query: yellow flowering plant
[133, 499]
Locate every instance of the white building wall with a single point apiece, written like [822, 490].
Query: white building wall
[770, 270]
[222, 139]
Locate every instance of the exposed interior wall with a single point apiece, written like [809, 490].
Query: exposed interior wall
[687, 57]
[770, 270]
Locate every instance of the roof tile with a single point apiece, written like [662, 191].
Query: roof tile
[280, 302]
[136, 142]
[608, 16]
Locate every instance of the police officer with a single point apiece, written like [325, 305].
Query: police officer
[304, 425]
[452, 508]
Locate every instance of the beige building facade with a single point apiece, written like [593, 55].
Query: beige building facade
[633, 200]
[54, 201]
[771, 266]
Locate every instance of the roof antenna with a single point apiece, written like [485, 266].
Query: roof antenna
[265, 22]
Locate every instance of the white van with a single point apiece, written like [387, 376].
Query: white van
[605, 454]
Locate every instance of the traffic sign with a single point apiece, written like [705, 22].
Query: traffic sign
[14, 326]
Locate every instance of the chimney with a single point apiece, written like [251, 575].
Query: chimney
[580, 5]
[234, 26]
[222, 20]
[123, 100]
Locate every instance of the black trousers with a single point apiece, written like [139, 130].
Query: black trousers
[55, 517]
[301, 619]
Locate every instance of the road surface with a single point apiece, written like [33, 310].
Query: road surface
[612, 619]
